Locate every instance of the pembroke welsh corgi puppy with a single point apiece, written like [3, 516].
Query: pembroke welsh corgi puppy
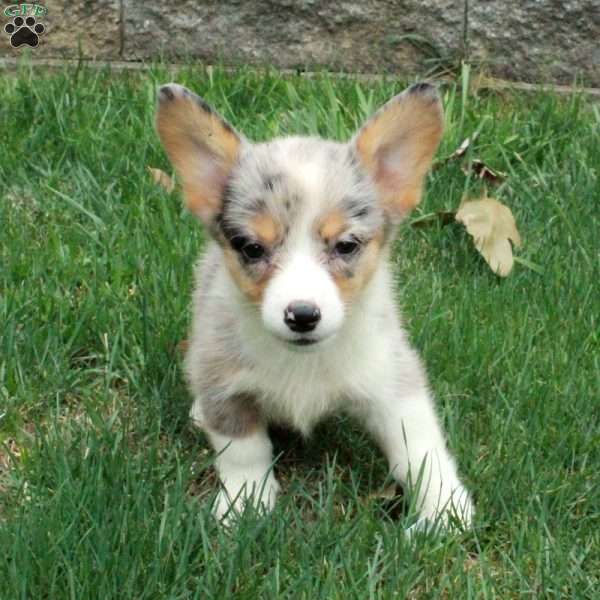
[294, 316]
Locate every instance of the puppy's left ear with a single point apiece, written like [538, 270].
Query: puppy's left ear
[202, 146]
[396, 145]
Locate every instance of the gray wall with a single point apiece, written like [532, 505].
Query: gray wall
[528, 40]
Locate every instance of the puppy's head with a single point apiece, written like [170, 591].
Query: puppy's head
[302, 222]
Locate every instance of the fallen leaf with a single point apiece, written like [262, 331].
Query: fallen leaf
[9, 450]
[390, 501]
[183, 346]
[460, 151]
[161, 178]
[482, 171]
[388, 493]
[471, 562]
[493, 227]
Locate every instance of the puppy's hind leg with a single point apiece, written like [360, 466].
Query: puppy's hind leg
[244, 454]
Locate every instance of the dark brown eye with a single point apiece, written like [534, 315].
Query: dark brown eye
[249, 250]
[346, 248]
[253, 251]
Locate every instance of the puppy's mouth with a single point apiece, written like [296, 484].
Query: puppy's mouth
[303, 342]
[309, 343]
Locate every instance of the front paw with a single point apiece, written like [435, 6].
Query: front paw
[231, 501]
[454, 509]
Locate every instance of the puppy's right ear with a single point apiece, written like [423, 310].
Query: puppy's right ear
[201, 145]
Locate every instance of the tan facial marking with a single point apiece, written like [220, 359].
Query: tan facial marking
[266, 228]
[332, 225]
[252, 288]
[350, 286]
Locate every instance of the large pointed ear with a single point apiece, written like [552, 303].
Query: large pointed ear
[396, 145]
[202, 147]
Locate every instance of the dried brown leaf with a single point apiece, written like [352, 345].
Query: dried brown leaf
[482, 171]
[388, 493]
[493, 227]
[183, 346]
[460, 151]
[161, 178]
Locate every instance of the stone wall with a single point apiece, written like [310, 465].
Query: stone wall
[527, 40]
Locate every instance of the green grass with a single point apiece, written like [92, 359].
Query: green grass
[106, 490]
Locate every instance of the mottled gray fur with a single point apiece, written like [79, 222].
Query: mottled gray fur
[262, 181]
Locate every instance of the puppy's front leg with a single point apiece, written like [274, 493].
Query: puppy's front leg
[409, 433]
[244, 467]
[244, 462]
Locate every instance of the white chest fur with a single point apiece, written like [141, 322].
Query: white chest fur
[300, 387]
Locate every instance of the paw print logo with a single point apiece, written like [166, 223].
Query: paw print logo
[24, 31]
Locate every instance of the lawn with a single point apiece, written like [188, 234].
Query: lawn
[105, 489]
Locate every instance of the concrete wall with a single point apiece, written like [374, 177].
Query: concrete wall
[528, 40]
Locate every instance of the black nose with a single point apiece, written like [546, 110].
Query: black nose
[301, 316]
